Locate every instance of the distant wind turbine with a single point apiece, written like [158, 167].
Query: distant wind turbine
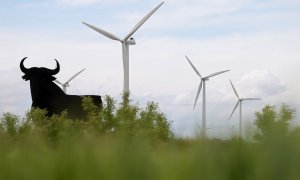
[240, 100]
[66, 84]
[203, 81]
[126, 41]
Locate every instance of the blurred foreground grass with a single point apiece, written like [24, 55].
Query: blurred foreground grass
[132, 143]
[93, 157]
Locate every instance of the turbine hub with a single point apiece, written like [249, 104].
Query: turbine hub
[130, 41]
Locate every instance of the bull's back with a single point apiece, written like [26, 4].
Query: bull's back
[97, 100]
[71, 103]
[75, 108]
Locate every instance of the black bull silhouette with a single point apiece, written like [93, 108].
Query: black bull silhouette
[47, 95]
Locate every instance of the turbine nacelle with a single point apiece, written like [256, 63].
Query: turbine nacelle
[131, 41]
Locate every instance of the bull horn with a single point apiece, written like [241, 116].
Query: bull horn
[56, 70]
[22, 67]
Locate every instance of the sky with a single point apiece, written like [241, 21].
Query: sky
[258, 40]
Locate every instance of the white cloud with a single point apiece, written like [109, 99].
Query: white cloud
[196, 9]
[191, 14]
[163, 70]
[14, 94]
[261, 83]
[92, 2]
[79, 2]
[31, 5]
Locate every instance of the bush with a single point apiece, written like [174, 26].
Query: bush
[128, 119]
[9, 124]
[273, 125]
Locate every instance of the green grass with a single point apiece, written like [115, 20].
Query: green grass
[91, 157]
[129, 142]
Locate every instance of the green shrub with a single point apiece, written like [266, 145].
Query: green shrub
[128, 119]
[126, 141]
[9, 124]
[273, 125]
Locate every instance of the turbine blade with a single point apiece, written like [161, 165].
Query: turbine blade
[217, 73]
[197, 125]
[198, 92]
[58, 82]
[74, 76]
[193, 67]
[234, 109]
[141, 22]
[252, 99]
[101, 31]
[234, 90]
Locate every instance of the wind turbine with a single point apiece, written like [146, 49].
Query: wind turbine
[202, 83]
[240, 100]
[126, 41]
[66, 84]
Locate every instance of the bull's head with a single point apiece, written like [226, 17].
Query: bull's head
[38, 72]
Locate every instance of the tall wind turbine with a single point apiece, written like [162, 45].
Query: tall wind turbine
[202, 83]
[66, 84]
[126, 41]
[240, 100]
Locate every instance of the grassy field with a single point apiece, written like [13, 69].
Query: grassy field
[91, 157]
[38, 147]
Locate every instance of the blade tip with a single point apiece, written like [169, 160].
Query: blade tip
[161, 4]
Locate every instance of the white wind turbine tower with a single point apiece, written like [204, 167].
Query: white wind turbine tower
[66, 84]
[240, 100]
[203, 82]
[126, 41]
